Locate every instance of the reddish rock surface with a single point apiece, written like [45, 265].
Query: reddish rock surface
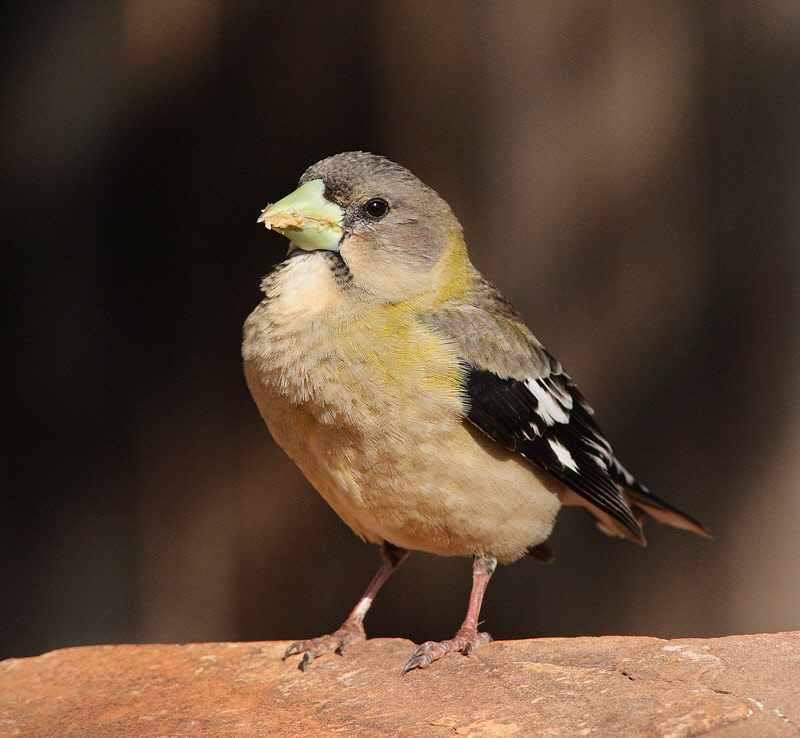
[613, 686]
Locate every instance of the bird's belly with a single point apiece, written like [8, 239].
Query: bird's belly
[447, 490]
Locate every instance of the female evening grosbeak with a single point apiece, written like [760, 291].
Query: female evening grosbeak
[413, 396]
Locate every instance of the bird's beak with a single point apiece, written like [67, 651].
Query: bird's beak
[306, 218]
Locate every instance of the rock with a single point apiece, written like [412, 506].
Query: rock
[612, 686]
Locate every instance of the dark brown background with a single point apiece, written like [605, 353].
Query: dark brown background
[628, 174]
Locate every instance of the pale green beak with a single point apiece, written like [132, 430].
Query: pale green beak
[306, 218]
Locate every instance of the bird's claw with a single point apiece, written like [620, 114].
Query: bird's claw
[296, 648]
[337, 642]
[420, 661]
[464, 642]
[308, 657]
[293, 648]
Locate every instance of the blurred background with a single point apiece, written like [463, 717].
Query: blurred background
[628, 174]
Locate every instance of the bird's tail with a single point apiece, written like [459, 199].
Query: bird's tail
[643, 502]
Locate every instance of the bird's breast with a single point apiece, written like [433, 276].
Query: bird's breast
[347, 360]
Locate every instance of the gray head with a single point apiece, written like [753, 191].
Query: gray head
[388, 227]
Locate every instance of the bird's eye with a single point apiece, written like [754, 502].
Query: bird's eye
[376, 209]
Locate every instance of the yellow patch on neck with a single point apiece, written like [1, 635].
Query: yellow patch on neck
[454, 272]
[450, 278]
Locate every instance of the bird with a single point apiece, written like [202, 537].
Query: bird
[413, 396]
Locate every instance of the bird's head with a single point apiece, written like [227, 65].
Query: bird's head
[396, 237]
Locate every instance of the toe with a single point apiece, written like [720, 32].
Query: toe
[293, 648]
[416, 662]
[308, 657]
[338, 641]
[464, 642]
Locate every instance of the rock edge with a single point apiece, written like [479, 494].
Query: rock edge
[610, 686]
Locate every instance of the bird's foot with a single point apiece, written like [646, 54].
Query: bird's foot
[465, 642]
[338, 641]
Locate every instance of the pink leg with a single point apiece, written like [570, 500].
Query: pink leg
[467, 639]
[352, 629]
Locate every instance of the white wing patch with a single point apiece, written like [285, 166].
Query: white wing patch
[562, 454]
[553, 404]
[600, 452]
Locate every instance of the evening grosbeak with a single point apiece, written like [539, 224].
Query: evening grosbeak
[413, 396]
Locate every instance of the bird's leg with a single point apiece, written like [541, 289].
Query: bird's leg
[352, 629]
[467, 639]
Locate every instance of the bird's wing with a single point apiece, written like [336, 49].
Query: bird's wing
[545, 419]
[519, 396]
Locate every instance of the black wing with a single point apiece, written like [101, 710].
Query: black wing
[546, 419]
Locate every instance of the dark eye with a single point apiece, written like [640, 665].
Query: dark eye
[376, 209]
